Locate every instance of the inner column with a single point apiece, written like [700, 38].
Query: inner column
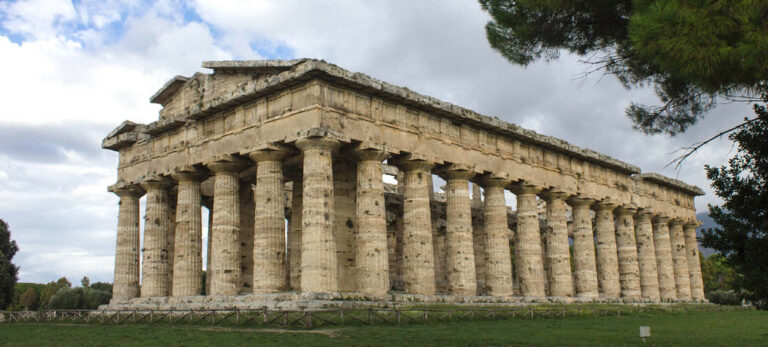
[318, 249]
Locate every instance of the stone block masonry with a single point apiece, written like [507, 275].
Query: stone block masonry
[288, 156]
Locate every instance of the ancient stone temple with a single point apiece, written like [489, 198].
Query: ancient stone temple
[320, 185]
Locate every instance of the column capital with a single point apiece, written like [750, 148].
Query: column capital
[319, 143]
[625, 210]
[522, 188]
[578, 201]
[676, 222]
[189, 174]
[370, 154]
[605, 205]
[123, 190]
[645, 213]
[554, 194]
[492, 180]
[227, 164]
[456, 171]
[693, 223]
[157, 183]
[660, 219]
[273, 152]
[413, 164]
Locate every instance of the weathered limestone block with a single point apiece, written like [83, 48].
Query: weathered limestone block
[127, 250]
[318, 248]
[188, 244]
[585, 268]
[479, 238]
[269, 259]
[680, 260]
[646, 255]
[498, 270]
[155, 263]
[528, 264]
[225, 243]
[418, 257]
[345, 222]
[247, 208]
[694, 265]
[460, 253]
[558, 253]
[629, 271]
[607, 254]
[294, 233]
[663, 248]
[371, 254]
[171, 237]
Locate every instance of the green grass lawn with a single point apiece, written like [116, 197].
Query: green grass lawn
[730, 328]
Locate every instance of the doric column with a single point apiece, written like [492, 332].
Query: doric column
[156, 265]
[694, 265]
[646, 255]
[225, 243]
[498, 269]
[294, 233]
[680, 260]
[188, 243]
[269, 262]
[371, 252]
[629, 271]
[460, 253]
[585, 268]
[558, 253]
[607, 254]
[661, 243]
[127, 250]
[318, 248]
[418, 256]
[528, 264]
[208, 203]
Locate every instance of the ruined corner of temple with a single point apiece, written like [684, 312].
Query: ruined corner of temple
[319, 189]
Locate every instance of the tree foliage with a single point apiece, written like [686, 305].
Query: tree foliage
[51, 288]
[79, 298]
[28, 300]
[8, 271]
[742, 232]
[693, 53]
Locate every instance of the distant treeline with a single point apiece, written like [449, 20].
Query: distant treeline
[60, 295]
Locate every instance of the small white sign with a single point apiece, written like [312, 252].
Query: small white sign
[645, 332]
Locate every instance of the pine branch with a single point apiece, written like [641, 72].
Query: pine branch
[695, 147]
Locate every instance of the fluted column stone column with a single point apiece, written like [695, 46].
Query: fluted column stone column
[558, 256]
[498, 269]
[188, 243]
[607, 254]
[460, 253]
[318, 249]
[127, 249]
[528, 262]
[694, 264]
[663, 248]
[155, 263]
[294, 233]
[269, 258]
[646, 255]
[585, 267]
[418, 256]
[371, 252]
[225, 243]
[680, 260]
[629, 271]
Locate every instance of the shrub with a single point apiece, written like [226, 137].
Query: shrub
[79, 298]
[725, 297]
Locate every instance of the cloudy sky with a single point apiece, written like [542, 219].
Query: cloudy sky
[72, 71]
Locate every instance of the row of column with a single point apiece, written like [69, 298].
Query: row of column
[647, 263]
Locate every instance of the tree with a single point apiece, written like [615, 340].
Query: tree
[103, 286]
[742, 232]
[717, 275]
[51, 288]
[8, 271]
[693, 53]
[80, 298]
[28, 299]
[85, 282]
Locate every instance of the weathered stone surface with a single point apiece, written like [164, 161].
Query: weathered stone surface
[629, 271]
[584, 263]
[155, 263]
[460, 253]
[680, 260]
[345, 221]
[662, 244]
[498, 270]
[694, 265]
[528, 252]
[318, 248]
[294, 233]
[607, 253]
[126, 284]
[188, 243]
[646, 255]
[558, 254]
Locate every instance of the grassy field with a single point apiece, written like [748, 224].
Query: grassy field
[730, 328]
